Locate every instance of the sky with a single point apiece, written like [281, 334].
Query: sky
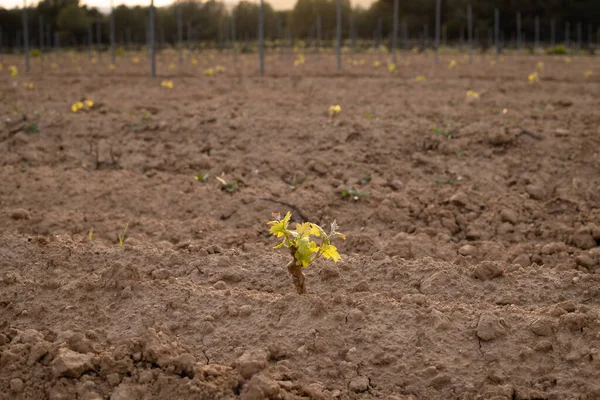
[105, 4]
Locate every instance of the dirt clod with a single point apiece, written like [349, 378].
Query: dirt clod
[71, 364]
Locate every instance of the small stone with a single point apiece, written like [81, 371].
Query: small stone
[396, 184]
[585, 261]
[71, 364]
[261, 387]
[146, 377]
[362, 286]
[38, 351]
[185, 364]
[245, 310]
[329, 272]
[486, 270]
[160, 273]
[251, 362]
[113, 379]
[359, 384]
[220, 285]
[467, 250]
[440, 381]
[508, 215]
[489, 327]
[573, 321]
[20, 213]
[126, 293]
[553, 248]
[543, 345]
[543, 327]
[378, 256]
[535, 192]
[523, 260]
[459, 199]
[16, 385]
[583, 239]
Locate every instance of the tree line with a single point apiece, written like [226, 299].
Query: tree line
[71, 24]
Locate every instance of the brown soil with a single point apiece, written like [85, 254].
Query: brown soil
[470, 269]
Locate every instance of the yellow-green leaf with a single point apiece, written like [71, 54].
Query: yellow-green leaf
[330, 251]
[306, 229]
[279, 228]
[303, 252]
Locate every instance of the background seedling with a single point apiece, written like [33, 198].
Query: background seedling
[302, 248]
[122, 235]
[353, 193]
[444, 132]
[202, 177]
[229, 187]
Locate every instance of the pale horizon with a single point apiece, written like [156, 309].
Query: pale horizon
[105, 4]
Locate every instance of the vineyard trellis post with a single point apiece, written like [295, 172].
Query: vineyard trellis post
[552, 33]
[519, 32]
[41, 33]
[112, 33]
[338, 46]
[319, 36]
[438, 18]
[567, 34]
[537, 33]
[497, 32]
[261, 38]
[152, 40]
[99, 39]
[395, 32]
[579, 37]
[26, 35]
[470, 32]
[180, 33]
[233, 42]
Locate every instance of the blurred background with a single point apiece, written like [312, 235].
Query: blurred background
[73, 23]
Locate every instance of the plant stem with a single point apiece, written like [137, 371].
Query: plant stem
[297, 276]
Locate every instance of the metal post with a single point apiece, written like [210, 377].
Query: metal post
[338, 46]
[537, 33]
[470, 32]
[438, 18]
[41, 29]
[1, 42]
[319, 35]
[425, 36]
[519, 31]
[379, 32]
[112, 33]
[497, 32]
[261, 38]
[280, 40]
[233, 44]
[352, 35]
[189, 32]
[90, 42]
[56, 42]
[579, 37]
[99, 39]
[590, 35]
[395, 32]
[180, 33]
[404, 35]
[567, 34]
[26, 35]
[128, 35]
[152, 38]
[552, 33]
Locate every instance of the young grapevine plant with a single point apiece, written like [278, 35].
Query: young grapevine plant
[302, 248]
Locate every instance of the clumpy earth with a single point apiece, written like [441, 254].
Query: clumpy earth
[471, 265]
